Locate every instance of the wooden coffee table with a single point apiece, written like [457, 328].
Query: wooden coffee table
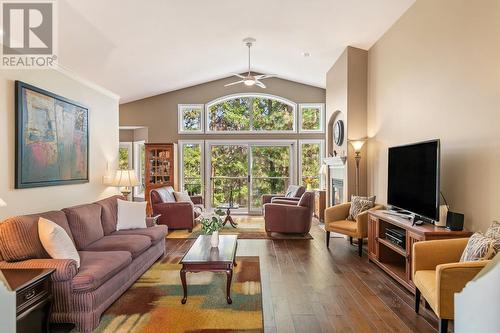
[202, 257]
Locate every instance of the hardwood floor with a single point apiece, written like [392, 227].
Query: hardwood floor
[308, 288]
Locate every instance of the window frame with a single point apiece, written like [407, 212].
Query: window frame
[180, 118]
[321, 106]
[136, 163]
[251, 130]
[321, 142]
[180, 144]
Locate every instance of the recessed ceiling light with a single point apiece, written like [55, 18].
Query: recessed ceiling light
[306, 54]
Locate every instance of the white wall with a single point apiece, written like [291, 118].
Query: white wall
[103, 135]
[436, 74]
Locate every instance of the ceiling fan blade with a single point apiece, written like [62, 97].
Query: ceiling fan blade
[238, 75]
[233, 83]
[260, 84]
[264, 76]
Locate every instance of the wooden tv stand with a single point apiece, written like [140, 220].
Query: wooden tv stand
[393, 259]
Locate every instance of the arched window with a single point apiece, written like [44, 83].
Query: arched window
[251, 113]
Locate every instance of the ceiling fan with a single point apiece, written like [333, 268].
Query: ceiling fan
[249, 79]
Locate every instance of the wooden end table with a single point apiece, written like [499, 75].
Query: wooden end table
[202, 257]
[227, 207]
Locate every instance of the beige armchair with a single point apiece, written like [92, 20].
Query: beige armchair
[438, 275]
[336, 221]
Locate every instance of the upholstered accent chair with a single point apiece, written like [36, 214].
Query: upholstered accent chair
[336, 221]
[438, 274]
[176, 215]
[287, 216]
[293, 193]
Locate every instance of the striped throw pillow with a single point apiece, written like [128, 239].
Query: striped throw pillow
[479, 247]
[358, 206]
[494, 232]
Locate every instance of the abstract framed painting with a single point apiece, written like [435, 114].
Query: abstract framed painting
[52, 139]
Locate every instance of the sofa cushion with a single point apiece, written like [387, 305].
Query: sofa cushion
[98, 267]
[85, 224]
[344, 225]
[425, 280]
[156, 233]
[109, 213]
[19, 236]
[135, 244]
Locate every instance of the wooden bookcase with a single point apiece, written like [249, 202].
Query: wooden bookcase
[160, 167]
[394, 259]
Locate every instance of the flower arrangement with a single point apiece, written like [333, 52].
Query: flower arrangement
[309, 181]
[211, 222]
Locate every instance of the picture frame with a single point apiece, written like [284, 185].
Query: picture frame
[52, 139]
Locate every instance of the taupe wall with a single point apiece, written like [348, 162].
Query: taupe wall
[133, 135]
[159, 113]
[436, 74]
[346, 98]
[103, 135]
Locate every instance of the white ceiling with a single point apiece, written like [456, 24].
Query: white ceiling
[142, 48]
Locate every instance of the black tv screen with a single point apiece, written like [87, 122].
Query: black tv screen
[414, 178]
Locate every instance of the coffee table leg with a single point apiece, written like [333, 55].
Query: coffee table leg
[229, 274]
[184, 285]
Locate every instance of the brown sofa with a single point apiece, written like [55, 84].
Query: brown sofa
[110, 260]
[293, 193]
[286, 216]
[176, 215]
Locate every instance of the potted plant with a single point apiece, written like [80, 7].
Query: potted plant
[211, 224]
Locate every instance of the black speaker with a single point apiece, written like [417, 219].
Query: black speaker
[455, 221]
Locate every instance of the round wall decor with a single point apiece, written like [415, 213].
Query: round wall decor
[338, 133]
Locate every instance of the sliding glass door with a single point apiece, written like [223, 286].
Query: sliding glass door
[241, 172]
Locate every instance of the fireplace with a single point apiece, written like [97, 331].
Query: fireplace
[337, 179]
[337, 196]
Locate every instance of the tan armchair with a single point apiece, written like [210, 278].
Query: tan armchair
[336, 221]
[438, 275]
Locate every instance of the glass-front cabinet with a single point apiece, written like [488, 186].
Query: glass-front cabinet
[160, 168]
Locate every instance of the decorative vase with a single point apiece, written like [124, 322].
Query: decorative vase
[214, 239]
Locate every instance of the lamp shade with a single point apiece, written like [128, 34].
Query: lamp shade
[357, 144]
[125, 178]
[2, 203]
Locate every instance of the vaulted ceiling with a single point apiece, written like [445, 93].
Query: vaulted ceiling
[142, 48]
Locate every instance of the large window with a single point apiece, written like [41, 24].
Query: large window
[125, 156]
[191, 166]
[250, 113]
[311, 152]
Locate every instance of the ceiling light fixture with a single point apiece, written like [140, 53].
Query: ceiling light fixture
[250, 80]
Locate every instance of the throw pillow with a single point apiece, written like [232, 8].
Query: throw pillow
[291, 192]
[479, 247]
[131, 215]
[370, 198]
[182, 197]
[494, 232]
[358, 206]
[56, 241]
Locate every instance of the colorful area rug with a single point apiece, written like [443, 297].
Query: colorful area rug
[153, 303]
[249, 227]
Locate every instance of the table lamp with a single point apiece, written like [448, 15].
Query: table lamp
[125, 179]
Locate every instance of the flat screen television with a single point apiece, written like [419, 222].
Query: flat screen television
[414, 178]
